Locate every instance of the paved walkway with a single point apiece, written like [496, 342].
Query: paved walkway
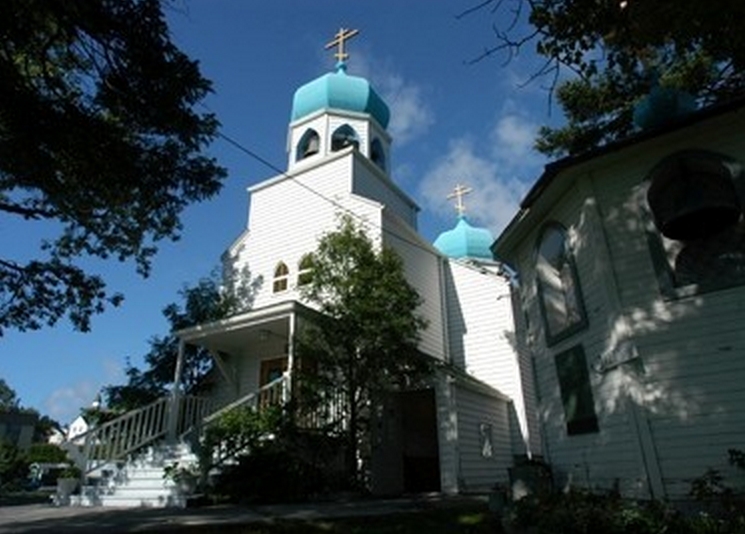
[46, 519]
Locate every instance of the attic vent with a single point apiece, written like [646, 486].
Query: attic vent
[693, 194]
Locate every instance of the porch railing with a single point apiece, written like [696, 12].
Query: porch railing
[275, 393]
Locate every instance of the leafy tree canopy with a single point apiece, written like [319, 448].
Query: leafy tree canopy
[204, 302]
[98, 136]
[617, 49]
[8, 397]
[365, 341]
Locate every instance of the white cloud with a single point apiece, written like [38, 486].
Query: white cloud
[495, 197]
[64, 404]
[411, 115]
[512, 143]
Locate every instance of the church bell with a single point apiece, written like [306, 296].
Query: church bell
[693, 195]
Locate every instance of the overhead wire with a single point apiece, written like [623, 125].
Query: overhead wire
[333, 202]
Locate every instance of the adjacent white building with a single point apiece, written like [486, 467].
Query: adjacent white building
[631, 305]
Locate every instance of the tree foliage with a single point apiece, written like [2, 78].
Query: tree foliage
[617, 49]
[100, 140]
[364, 343]
[8, 398]
[204, 302]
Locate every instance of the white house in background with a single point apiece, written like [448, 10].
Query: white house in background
[77, 428]
[462, 433]
[56, 436]
[631, 305]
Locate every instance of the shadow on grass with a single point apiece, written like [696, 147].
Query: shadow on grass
[25, 497]
[471, 519]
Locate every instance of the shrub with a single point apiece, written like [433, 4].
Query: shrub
[46, 453]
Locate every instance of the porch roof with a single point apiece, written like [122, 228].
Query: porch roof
[234, 331]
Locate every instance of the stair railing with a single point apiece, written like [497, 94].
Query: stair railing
[275, 393]
[133, 430]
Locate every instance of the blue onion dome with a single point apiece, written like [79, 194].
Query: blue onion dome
[465, 241]
[338, 90]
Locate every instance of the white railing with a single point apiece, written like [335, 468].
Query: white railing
[132, 431]
[188, 418]
[275, 393]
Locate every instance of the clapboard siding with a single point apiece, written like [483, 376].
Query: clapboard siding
[282, 234]
[481, 335]
[693, 348]
[370, 182]
[686, 385]
[612, 452]
[478, 473]
[422, 271]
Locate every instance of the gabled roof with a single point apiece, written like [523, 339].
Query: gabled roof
[552, 169]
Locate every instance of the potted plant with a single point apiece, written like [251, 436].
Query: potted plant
[68, 480]
[184, 476]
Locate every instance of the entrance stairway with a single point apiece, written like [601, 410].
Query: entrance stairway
[124, 462]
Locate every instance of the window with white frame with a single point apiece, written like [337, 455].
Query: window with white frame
[558, 288]
[281, 275]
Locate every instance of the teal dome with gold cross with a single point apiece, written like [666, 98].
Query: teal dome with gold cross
[339, 91]
[465, 240]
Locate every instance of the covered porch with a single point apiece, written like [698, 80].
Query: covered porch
[250, 351]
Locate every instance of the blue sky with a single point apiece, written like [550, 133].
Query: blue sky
[450, 121]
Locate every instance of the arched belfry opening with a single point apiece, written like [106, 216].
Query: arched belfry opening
[377, 153]
[694, 194]
[343, 137]
[309, 145]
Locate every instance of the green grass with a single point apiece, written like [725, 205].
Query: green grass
[474, 519]
[17, 498]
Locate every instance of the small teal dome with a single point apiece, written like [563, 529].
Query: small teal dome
[338, 90]
[465, 241]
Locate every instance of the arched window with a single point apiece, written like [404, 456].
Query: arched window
[377, 154]
[305, 270]
[558, 286]
[310, 143]
[281, 274]
[696, 229]
[343, 137]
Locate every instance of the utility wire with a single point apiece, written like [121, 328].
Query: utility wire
[333, 202]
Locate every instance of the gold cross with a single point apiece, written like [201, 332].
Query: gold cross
[339, 39]
[458, 193]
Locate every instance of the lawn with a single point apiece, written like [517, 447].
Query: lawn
[474, 519]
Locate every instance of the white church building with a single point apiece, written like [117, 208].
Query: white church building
[463, 432]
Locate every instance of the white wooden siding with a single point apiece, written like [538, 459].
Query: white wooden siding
[693, 348]
[686, 386]
[371, 184]
[477, 473]
[421, 267]
[613, 453]
[481, 335]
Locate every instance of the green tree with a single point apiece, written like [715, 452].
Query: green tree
[617, 50]
[8, 397]
[364, 343]
[99, 139]
[204, 302]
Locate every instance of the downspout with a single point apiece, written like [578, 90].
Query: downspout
[173, 411]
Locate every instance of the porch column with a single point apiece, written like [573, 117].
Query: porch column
[173, 411]
[290, 354]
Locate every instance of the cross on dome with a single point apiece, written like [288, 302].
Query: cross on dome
[343, 35]
[458, 193]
